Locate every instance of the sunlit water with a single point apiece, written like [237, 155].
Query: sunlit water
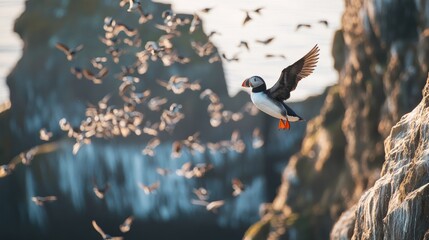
[279, 19]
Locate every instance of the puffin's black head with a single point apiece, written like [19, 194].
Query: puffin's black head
[253, 82]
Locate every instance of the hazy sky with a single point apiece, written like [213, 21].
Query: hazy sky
[278, 19]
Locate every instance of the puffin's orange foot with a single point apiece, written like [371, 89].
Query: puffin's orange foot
[284, 125]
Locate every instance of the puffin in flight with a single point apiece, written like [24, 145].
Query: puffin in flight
[271, 101]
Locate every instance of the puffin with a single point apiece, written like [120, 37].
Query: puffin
[272, 101]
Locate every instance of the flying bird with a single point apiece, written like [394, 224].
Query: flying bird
[257, 140]
[45, 135]
[237, 187]
[206, 10]
[134, 4]
[324, 22]
[244, 44]
[100, 192]
[201, 193]
[40, 201]
[103, 234]
[270, 55]
[234, 58]
[210, 206]
[302, 25]
[77, 72]
[271, 101]
[95, 78]
[148, 189]
[196, 21]
[212, 33]
[247, 18]
[258, 10]
[6, 169]
[266, 41]
[69, 52]
[126, 226]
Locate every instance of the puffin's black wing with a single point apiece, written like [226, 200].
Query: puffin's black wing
[291, 75]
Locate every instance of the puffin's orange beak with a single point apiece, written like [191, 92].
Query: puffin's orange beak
[246, 83]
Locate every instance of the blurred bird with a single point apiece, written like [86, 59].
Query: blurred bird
[110, 42]
[186, 167]
[234, 58]
[133, 5]
[69, 52]
[163, 171]
[247, 18]
[178, 85]
[40, 201]
[212, 33]
[201, 169]
[244, 44]
[122, 3]
[104, 235]
[176, 149]
[144, 17]
[100, 192]
[151, 130]
[206, 10]
[324, 22]
[77, 72]
[95, 78]
[257, 140]
[203, 49]
[210, 206]
[236, 144]
[237, 187]
[155, 103]
[170, 117]
[45, 135]
[214, 58]
[150, 147]
[6, 169]
[250, 108]
[148, 189]
[269, 55]
[98, 62]
[302, 25]
[193, 143]
[258, 10]
[27, 156]
[196, 22]
[271, 101]
[121, 27]
[126, 225]
[266, 41]
[201, 193]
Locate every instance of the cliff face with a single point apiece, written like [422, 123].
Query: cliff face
[43, 91]
[397, 206]
[381, 55]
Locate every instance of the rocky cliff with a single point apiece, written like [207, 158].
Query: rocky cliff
[396, 207]
[381, 54]
[43, 91]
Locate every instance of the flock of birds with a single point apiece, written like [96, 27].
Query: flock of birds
[107, 121]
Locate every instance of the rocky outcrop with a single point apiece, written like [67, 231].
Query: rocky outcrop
[397, 206]
[381, 54]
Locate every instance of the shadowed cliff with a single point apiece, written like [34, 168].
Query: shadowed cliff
[396, 207]
[381, 54]
[43, 91]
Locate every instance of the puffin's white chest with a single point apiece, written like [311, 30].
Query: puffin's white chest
[268, 106]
